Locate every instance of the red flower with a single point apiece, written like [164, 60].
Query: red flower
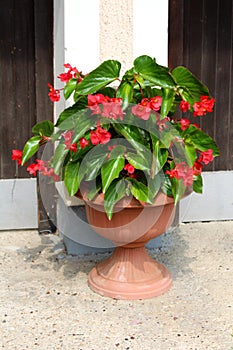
[94, 138]
[33, 168]
[172, 173]
[100, 135]
[95, 100]
[71, 73]
[113, 110]
[182, 172]
[68, 136]
[142, 112]
[130, 168]
[83, 142]
[184, 106]
[53, 94]
[207, 103]
[197, 168]
[184, 123]
[17, 155]
[68, 141]
[155, 103]
[73, 147]
[206, 156]
[162, 124]
[203, 106]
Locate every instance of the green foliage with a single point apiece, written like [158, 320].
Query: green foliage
[148, 150]
[30, 148]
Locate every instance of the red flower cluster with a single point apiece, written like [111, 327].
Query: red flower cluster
[54, 94]
[205, 105]
[184, 172]
[71, 73]
[68, 141]
[40, 165]
[143, 109]
[105, 106]
[43, 168]
[184, 106]
[73, 146]
[100, 136]
[184, 123]
[200, 108]
[130, 168]
[206, 157]
[17, 155]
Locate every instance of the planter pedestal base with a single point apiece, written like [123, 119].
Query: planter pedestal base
[130, 273]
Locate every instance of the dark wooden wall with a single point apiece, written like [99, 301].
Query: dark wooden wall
[201, 38]
[26, 66]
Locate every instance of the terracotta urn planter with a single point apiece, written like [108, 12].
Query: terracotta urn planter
[130, 273]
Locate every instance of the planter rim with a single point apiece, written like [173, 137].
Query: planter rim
[126, 202]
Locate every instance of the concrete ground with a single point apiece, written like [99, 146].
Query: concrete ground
[45, 302]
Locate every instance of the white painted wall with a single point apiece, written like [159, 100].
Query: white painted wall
[18, 204]
[216, 201]
[81, 33]
[151, 29]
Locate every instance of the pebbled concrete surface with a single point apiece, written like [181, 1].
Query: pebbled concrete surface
[45, 302]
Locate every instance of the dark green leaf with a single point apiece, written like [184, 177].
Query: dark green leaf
[117, 151]
[114, 193]
[111, 171]
[108, 91]
[133, 135]
[125, 91]
[167, 101]
[92, 163]
[190, 154]
[150, 70]
[140, 191]
[59, 157]
[197, 184]
[154, 186]
[178, 189]
[141, 163]
[159, 157]
[31, 147]
[166, 185]
[71, 178]
[70, 87]
[94, 189]
[83, 124]
[193, 88]
[201, 140]
[70, 111]
[45, 128]
[107, 72]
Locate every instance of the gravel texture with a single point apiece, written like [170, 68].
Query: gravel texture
[45, 302]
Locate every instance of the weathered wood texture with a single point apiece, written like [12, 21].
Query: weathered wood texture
[201, 38]
[26, 66]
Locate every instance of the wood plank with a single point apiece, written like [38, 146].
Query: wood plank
[224, 93]
[18, 102]
[43, 13]
[175, 33]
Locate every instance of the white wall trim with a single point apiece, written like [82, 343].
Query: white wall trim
[151, 29]
[216, 201]
[18, 204]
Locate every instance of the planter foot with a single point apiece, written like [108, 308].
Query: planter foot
[130, 273]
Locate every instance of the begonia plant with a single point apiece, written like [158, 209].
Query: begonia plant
[122, 135]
